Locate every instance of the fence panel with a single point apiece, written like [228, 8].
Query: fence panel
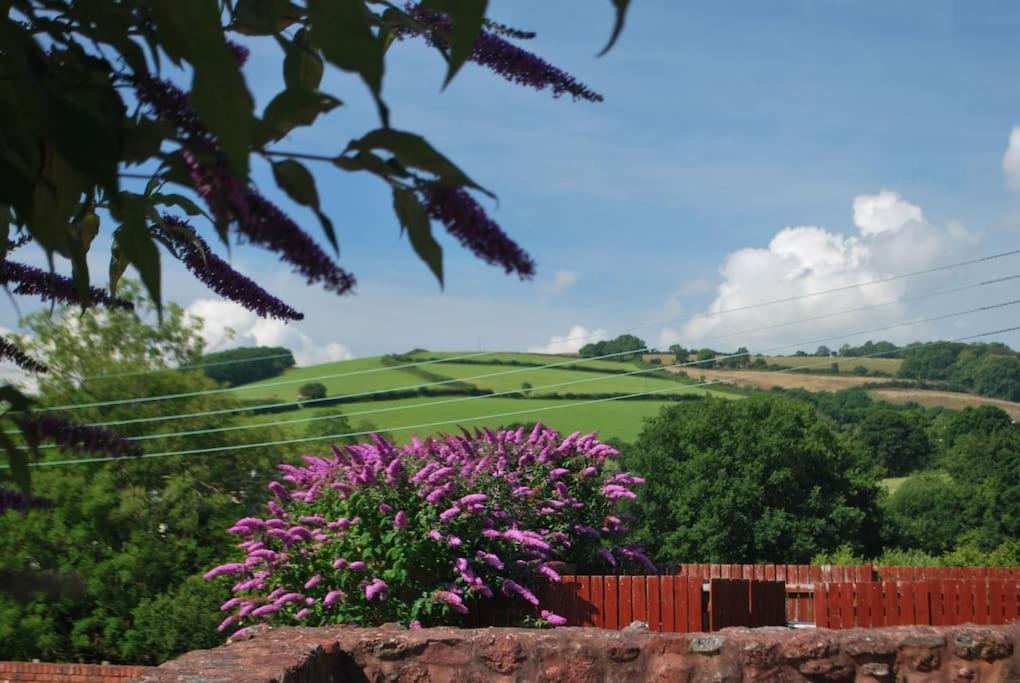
[729, 603]
[611, 601]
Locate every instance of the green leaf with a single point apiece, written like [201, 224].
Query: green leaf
[299, 184]
[180, 201]
[143, 139]
[414, 218]
[468, 17]
[414, 150]
[134, 244]
[621, 14]
[302, 66]
[296, 180]
[79, 240]
[341, 29]
[293, 108]
[192, 30]
[264, 17]
[56, 198]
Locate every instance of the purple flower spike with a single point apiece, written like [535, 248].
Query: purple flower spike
[219, 276]
[376, 589]
[466, 220]
[74, 437]
[32, 281]
[400, 520]
[12, 353]
[553, 619]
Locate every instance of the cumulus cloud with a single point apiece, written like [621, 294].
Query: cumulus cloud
[1011, 160]
[571, 342]
[561, 281]
[226, 324]
[893, 237]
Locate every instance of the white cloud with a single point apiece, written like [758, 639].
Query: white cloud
[1011, 160]
[571, 342]
[883, 212]
[226, 324]
[893, 238]
[562, 280]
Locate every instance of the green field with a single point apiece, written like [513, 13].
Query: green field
[846, 365]
[612, 419]
[500, 372]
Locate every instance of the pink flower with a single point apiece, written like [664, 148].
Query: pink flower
[472, 499]
[339, 563]
[358, 566]
[231, 568]
[226, 623]
[313, 582]
[435, 535]
[333, 597]
[377, 587]
[554, 619]
[451, 599]
[414, 625]
[449, 514]
[400, 521]
[303, 613]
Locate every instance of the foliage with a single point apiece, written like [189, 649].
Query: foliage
[246, 364]
[133, 531]
[868, 348]
[763, 479]
[312, 391]
[927, 513]
[897, 444]
[421, 533]
[86, 96]
[1005, 555]
[991, 369]
[618, 348]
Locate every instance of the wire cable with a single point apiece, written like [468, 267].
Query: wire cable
[207, 392]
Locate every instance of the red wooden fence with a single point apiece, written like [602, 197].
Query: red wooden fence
[937, 602]
[665, 603]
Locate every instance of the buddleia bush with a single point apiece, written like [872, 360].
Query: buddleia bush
[422, 534]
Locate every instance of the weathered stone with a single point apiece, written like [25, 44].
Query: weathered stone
[623, 652]
[981, 643]
[582, 655]
[707, 645]
[874, 669]
[503, 656]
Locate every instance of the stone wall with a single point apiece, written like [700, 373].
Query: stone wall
[44, 672]
[446, 655]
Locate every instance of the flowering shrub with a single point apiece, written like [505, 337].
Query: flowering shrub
[420, 533]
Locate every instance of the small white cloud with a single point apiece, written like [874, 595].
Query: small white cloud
[226, 324]
[562, 280]
[571, 342]
[1011, 160]
[884, 212]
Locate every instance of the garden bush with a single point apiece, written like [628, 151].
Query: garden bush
[421, 534]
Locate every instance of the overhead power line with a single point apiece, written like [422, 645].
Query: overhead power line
[284, 442]
[224, 390]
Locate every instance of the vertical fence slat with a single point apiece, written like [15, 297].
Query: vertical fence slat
[611, 602]
[626, 600]
[640, 608]
[681, 619]
[587, 615]
[695, 606]
[979, 589]
[597, 608]
[668, 607]
[889, 605]
[906, 600]
[820, 606]
[996, 612]
[654, 603]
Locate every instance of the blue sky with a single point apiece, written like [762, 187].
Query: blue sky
[723, 124]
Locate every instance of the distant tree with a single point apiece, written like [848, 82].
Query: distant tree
[800, 353]
[526, 388]
[757, 480]
[997, 375]
[312, 390]
[247, 364]
[335, 423]
[618, 348]
[823, 351]
[759, 363]
[741, 358]
[860, 370]
[844, 350]
[896, 443]
[979, 420]
[679, 353]
[834, 368]
[927, 512]
[706, 358]
[988, 467]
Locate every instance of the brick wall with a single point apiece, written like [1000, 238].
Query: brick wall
[41, 672]
[960, 654]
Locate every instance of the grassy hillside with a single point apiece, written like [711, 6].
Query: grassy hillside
[846, 365]
[460, 377]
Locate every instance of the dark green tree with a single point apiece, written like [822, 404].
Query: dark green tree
[927, 512]
[247, 364]
[987, 466]
[312, 390]
[758, 480]
[895, 443]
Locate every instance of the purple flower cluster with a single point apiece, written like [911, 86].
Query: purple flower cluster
[504, 58]
[74, 437]
[24, 361]
[466, 220]
[32, 281]
[16, 500]
[230, 200]
[241, 53]
[263, 223]
[218, 276]
[474, 515]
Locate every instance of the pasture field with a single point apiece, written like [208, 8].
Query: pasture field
[503, 357]
[945, 399]
[846, 365]
[510, 378]
[355, 376]
[755, 379]
[616, 419]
